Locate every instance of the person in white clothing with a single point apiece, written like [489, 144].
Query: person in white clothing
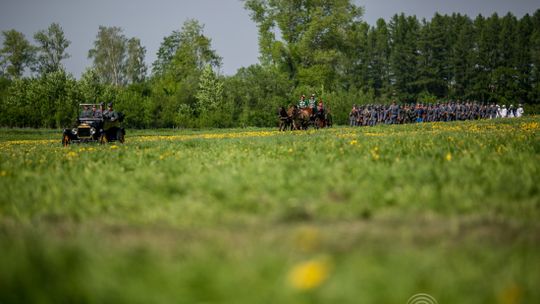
[503, 112]
[519, 111]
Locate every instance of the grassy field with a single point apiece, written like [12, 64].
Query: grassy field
[343, 215]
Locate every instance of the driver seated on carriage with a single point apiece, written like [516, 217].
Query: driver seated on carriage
[313, 106]
[302, 103]
[320, 110]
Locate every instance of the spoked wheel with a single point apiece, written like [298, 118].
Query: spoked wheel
[65, 141]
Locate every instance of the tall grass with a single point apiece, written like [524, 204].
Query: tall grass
[370, 215]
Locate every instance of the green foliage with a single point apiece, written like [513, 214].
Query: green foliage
[49, 101]
[135, 66]
[255, 93]
[52, 46]
[109, 55]
[313, 48]
[16, 55]
[426, 97]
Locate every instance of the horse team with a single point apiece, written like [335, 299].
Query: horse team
[304, 115]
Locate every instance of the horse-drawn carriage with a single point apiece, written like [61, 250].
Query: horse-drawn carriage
[295, 118]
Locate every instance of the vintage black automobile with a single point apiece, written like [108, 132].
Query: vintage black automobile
[94, 128]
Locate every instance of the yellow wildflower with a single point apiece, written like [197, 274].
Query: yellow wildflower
[71, 154]
[310, 274]
[448, 156]
[114, 147]
[3, 173]
[353, 142]
[375, 153]
[530, 126]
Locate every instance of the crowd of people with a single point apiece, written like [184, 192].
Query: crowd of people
[372, 114]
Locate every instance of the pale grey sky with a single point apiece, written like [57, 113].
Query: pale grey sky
[227, 23]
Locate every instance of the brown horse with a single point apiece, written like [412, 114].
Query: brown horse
[285, 120]
[300, 117]
[323, 120]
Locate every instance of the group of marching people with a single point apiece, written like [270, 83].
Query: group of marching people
[372, 114]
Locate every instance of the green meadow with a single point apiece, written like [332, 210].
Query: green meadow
[340, 215]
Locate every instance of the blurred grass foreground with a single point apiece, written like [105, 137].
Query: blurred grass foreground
[342, 215]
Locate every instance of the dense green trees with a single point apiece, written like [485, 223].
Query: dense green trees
[306, 46]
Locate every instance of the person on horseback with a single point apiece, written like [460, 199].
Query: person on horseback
[320, 109]
[313, 105]
[302, 103]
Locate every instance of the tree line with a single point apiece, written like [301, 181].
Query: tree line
[310, 46]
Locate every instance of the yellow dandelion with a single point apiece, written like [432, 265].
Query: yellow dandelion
[375, 153]
[114, 147]
[530, 126]
[310, 274]
[71, 154]
[290, 150]
[353, 142]
[448, 156]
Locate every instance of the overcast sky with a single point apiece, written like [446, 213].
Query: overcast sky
[227, 23]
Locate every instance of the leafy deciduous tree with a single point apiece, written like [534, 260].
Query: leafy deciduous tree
[17, 54]
[52, 46]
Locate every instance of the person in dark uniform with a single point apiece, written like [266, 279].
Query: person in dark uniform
[394, 113]
[352, 116]
[86, 113]
[97, 113]
[110, 114]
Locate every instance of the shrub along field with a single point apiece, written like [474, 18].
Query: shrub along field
[343, 215]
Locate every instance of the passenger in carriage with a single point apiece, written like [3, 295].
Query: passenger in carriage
[312, 103]
[320, 109]
[86, 113]
[302, 103]
[97, 113]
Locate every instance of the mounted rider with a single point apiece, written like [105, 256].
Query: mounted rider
[302, 104]
[320, 109]
[312, 103]
[97, 113]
